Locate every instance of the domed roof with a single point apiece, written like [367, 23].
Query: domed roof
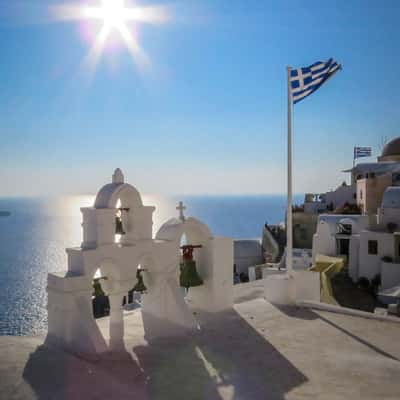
[392, 148]
[109, 194]
[391, 197]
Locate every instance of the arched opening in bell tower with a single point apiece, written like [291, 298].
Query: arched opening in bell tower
[100, 301]
[119, 228]
[188, 273]
[133, 299]
[121, 220]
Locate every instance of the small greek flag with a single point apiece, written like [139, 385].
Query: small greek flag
[362, 152]
[304, 81]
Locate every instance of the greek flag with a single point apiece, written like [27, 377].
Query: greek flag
[362, 152]
[304, 81]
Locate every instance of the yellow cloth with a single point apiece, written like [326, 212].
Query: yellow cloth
[328, 267]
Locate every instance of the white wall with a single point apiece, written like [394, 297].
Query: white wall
[390, 274]
[266, 272]
[324, 241]
[247, 253]
[308, 285]
[217, 292]
[280, 289]
[354, 249]
[341, 195]
[370, 264]
[386, 215]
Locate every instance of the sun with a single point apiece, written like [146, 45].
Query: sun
[115, 15]
[112, 12]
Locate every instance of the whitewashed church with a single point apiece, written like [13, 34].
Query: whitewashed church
[118, 208]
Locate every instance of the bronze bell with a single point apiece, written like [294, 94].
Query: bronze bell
[119, 229]
[97, 289]
[189, 276]
[140, 286]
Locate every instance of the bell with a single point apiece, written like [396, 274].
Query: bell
[139, 287]
[97, 289]
[119, 229]
[189, 276]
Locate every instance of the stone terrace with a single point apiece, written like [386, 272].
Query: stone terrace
[256, 351]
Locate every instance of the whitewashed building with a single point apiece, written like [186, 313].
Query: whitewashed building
[247, 253]
[368, 182]
[340, 235]
[119, 254]
[317, 203]
[370, 242]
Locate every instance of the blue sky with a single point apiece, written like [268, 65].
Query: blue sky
[210, 115]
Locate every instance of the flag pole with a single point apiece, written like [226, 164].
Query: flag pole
[289, 221]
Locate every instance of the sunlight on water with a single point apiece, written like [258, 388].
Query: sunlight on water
[33, 242]
[34, 237]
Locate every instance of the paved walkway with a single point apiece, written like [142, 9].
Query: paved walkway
[256, 351]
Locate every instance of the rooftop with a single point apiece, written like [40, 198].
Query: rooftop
[391, 150]
[256, 351]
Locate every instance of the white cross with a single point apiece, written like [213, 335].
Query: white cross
[180, 208]
[300, 77]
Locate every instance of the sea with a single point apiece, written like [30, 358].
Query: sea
[34, 237]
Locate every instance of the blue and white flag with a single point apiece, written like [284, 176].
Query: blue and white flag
[304, 81]
[362, 152]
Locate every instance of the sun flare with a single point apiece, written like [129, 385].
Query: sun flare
[115, 15]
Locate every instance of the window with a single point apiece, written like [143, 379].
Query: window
[344, 246]
[361, 194]
[372, 247]
[344, 229]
